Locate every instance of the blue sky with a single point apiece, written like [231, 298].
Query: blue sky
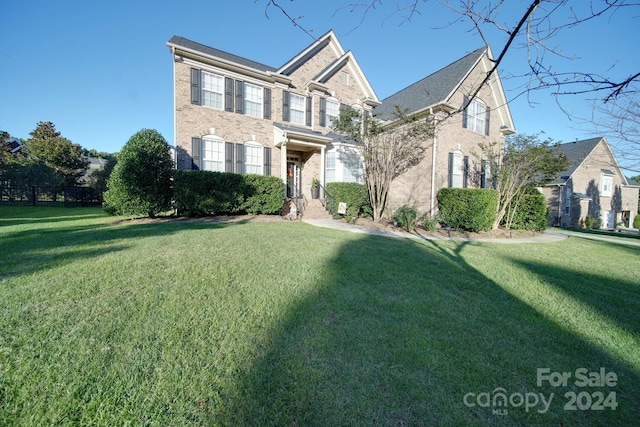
[101, 70]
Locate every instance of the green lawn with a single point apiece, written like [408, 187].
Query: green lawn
[116, 322]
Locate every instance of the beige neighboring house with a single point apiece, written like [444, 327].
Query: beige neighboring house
[592, 185]
[236, 115]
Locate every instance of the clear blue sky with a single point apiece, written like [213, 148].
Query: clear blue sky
[101, 70]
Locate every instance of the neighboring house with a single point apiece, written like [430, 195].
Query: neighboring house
[454, 157]
[592, 185]
[236, 115]
[95, 164]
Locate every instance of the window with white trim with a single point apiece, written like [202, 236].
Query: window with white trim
[253, 158]
[253, 99]
[212, 154]
[607, 185]
[212, 90]
[297, 109]
[457, 170]
[476, 116]
[333, 111]
[330, 166]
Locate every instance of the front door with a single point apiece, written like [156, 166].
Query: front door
[293, 180]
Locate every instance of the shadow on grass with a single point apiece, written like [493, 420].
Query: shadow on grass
[401, 331]
[38, 247]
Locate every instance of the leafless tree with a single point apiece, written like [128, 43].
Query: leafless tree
[535, 30]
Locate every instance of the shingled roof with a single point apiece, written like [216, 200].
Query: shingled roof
[576, 152]
[431, 90]
[209, 51]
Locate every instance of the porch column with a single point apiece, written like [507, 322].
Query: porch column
[322, 152]
[283, 166]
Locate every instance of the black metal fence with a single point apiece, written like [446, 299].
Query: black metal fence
[49, 196]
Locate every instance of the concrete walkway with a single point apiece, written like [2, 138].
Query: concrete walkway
[546, 237]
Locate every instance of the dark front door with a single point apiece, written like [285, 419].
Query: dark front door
[293, 180]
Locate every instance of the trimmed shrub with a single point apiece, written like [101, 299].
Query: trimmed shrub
[355, 195]
[470, 209]
[636, 221]
[140, 183]
[428, 223]
[201, 193]
[591, 223]
[531, 212]
[406, 217]
[265, 195]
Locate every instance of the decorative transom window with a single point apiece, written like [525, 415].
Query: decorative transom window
[333, 111]
[457, 170]
[253, 98]
[212, 154]
[607, 185]
[476, 115]
[212, 90]
[253, 158]
[296, 108]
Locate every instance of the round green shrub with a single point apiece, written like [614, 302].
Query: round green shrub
[140, 183]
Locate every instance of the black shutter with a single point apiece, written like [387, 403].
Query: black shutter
[450, 170]
[323, 112]
[196, 149]
[239, 158]
[308, 112]
[228, 94]
[239, 96]
[486, 123]
[464, 112]
[267, 103]
[285, 106]
[195, 86]
[267, 161]
[228, 157]
[465, 172]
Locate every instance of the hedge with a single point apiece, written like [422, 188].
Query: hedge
[353, 194]
[200, 193]
[531, 213]
[470, 209]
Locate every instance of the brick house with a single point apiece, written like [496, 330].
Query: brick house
[592, 185]
[236, 115]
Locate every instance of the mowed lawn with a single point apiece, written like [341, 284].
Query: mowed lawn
[107, 321]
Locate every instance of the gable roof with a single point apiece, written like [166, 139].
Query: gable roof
[177, 41]
[577, 152]
[431, 90]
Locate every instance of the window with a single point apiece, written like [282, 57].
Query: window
[253, 158]
[476, 116]
[456, 166]
[330, 173]
[333, 111]
[212, 154]
[297, 108]
[212, 90]
[607, 185]
[253, 100]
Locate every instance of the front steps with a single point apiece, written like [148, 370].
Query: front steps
[315, 210]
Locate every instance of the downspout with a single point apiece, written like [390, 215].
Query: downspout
[175, 131]
[433, 167]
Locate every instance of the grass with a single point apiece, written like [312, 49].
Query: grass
[116, 322]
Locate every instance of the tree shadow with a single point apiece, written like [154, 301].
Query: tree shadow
[399, 331]
[68, 240]
[593, 193]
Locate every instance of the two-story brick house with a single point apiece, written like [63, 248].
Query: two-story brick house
[236, 115]
[592, 185]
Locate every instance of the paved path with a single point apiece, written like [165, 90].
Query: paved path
[546, 237]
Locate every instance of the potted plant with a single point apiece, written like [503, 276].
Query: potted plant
[315, 189]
